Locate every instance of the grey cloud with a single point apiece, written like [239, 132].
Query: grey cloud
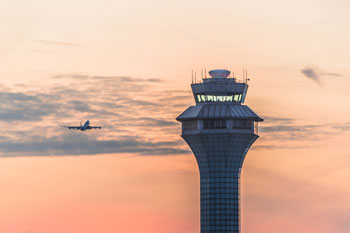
[22, 114]
[106, 78]
[70, 76]
[317, 128]
[290, 131]
[315, 75]
[154, 80]
[264, 147]
[139, 102]
[60, 43]
[112, 102]
[345, 126]
[90, 107]
[302, 133]
[288, 128]
[80, 144]
[15, 96]
[156, 122]
[24, 107]
[187, 92]
[110, 105]
[177, 98]
[332, 74]
[4, 138]
[278, 147]
[268, 119]
[109, 101]
[80, 106]
[311, 74]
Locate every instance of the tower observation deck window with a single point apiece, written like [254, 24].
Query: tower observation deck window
[242, 124]
[214, 124]
[219, 98]
[190, 125]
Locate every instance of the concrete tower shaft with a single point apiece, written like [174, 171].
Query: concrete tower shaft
[219, 131]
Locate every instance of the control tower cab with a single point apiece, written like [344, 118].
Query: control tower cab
[219, 102]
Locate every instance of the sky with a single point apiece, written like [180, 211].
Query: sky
[127, 65]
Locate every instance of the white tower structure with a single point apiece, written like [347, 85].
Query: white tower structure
[219, 130]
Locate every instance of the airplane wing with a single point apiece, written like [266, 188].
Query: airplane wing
[72, 127]
[94, 127]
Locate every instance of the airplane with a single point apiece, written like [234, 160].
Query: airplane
[84, 127]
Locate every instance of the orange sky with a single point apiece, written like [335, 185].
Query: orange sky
[127, 66]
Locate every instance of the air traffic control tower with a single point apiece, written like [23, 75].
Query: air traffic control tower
[220, 130]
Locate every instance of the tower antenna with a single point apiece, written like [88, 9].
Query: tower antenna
[243, 75]
[192, 76]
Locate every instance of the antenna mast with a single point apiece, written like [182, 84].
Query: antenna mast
[243, 76]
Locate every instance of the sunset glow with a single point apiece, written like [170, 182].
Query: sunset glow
[126, 65]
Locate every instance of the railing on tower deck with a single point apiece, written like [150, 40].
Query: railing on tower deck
[256, 128]
[223, 80]
[230, 75]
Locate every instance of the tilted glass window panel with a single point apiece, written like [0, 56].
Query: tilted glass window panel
[190, 124]
[219, 98]
[214, 124]
[241, 124]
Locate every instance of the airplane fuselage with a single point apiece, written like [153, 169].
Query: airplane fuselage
[85, 126]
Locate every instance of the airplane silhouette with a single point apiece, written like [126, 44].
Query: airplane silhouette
[84, 127]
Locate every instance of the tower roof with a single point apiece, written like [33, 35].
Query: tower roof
[218, 111]
[219, 73]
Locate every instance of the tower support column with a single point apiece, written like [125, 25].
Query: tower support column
[219, 200]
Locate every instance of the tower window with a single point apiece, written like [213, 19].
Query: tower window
[242, 124]
[190, 125]
[219, 98]
[215, 124]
